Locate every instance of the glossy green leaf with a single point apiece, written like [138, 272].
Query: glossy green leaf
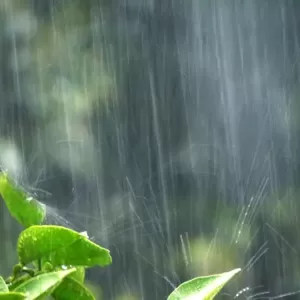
[12, 296]
[27, 210]
[42, 285]
[204, 288]
[18, 282]
[70, 288]
[3, 286]
[60, 246]
[79, 274]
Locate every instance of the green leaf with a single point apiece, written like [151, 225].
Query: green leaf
[42, 285]
[204, 288]
[60, 246]
[3, 286]
[12, 296]
[79, 274]
[18, 281]
[70, 288]
[27, 210]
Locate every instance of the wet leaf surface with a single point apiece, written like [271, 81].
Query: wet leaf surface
[24, 208]
[42, 285]
[202, 288]
[70, 288]
[61, 246]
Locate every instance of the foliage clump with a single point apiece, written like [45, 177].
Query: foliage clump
[53, 259]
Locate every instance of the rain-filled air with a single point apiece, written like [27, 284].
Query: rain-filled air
[149, 149]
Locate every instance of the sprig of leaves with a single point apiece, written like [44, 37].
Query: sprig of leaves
[61, 255]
